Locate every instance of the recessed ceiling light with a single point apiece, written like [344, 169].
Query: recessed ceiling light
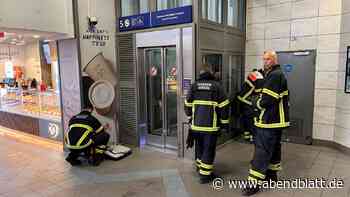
[36, 36]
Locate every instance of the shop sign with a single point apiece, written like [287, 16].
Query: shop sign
[54, 130]
[172, 16]
[98, 37]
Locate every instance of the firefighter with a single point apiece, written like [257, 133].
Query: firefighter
[273, 105]
[251, 88]
[207, 106]
[86, 136]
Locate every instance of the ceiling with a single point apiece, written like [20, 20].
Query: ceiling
[22, 37]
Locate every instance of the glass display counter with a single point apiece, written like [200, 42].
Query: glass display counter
[43, 105]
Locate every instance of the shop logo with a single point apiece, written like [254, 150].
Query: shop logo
[53, 130]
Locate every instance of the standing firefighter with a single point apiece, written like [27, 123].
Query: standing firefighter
[274, 116]
[250, 89]
[207, 105]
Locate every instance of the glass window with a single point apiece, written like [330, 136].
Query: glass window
[232, 13]
[168, 4]
[242, 14]
[215, 63]
[212, 10]
[132, 7]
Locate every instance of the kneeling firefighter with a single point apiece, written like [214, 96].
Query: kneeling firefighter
[207, 105]
[86, 136]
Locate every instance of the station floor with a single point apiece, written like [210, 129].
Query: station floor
[37, 168]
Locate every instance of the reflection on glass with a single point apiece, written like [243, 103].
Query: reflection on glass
[132, 7]
[168, 4]
[212, 10]
[171, 90]
[154, 91]
[232, 14]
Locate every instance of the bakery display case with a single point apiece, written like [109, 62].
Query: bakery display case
[44, 105]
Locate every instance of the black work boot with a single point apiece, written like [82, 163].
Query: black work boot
[248, 191]
[271, 175]
[73, 159]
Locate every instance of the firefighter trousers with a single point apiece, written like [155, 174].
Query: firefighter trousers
[248, 127]
[267, 155]
[205, 149]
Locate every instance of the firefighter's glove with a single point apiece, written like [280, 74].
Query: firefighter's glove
[190, 139]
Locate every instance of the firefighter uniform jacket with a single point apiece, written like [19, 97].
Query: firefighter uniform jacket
[250, 88]
[273, 103]
[82, 128]
[207, 104]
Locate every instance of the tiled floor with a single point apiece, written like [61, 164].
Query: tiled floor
[28, 169]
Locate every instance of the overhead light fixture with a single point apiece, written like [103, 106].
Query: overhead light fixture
[36, 36]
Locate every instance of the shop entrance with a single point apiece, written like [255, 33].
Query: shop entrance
[161, 96]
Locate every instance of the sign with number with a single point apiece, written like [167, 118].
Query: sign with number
[141, 21]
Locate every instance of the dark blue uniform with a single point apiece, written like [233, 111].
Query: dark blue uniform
[207, 105]
[273, 106]
[85, 134]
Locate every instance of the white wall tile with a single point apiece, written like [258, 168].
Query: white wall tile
[253, 62]
[346, 6]
[327, 62]
[328, 43]
[323, 131]
[255, 31]
[305, 8]
[345, 25]
[324, 115]
[277, 30]
[342, 62]
[329, 24]
[341, 80]
[342, 136]
[256, 15]
[255, 47]
[279, 12]
[256, 3]
[277, 44]
[325, 98]
[304, 27]
[343, 100]
[344, 42]
[342, 118]
[330, 7]
[326, 80]
[305, 42]
[272, 2]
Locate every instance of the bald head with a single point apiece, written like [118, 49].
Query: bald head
[270, 59]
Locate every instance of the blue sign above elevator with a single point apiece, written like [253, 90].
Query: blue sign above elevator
[172, 16]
